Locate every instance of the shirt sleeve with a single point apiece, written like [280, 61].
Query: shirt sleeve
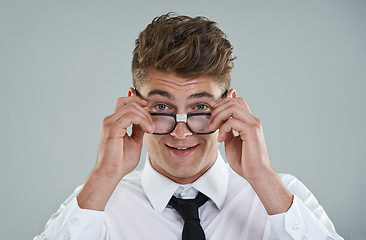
[306, 218]
[72, 222]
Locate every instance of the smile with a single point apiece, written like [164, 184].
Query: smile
[182, 147]
[182, 150]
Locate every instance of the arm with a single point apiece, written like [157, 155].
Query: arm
[72, 222]
[305, 218]
[247, 155]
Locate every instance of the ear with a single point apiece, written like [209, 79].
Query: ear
[232, 93]
[131, 92]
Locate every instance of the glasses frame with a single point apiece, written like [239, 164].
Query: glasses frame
[182, 118]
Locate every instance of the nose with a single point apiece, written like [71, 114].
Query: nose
[181, 131]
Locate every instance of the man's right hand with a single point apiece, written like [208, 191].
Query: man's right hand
[118, 153]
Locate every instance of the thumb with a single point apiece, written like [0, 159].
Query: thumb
[137, 133]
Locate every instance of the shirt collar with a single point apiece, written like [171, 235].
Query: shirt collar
[159, 189]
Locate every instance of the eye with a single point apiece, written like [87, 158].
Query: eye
[161, 107]
[202, 107]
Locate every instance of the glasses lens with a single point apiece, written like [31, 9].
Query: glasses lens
[163, 124]
[199, 123]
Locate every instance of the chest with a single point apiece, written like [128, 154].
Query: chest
[239, 218]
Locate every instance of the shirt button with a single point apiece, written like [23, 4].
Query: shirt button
[296, 226]
[187, 190]
[67, 236]
[74, 222]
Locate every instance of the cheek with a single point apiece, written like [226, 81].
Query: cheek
[211, 141]
[151, 141]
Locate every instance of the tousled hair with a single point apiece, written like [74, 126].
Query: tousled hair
[186, 46]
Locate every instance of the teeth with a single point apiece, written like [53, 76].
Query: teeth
[182, 148]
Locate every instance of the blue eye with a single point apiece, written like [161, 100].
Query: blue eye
[201, 107]
[161, 107]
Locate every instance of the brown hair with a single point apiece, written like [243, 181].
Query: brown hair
[190, 47]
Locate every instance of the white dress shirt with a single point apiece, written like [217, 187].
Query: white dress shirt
[138, 209]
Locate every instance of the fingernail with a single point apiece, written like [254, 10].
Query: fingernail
[152, 129]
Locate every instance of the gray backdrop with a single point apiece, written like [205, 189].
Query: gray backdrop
[300, 66]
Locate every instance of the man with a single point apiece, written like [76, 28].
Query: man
[182, 107]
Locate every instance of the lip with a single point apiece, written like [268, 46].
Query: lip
[182, 150]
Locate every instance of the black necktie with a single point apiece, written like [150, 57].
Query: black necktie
[188, 209]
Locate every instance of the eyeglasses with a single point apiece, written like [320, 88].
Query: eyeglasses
[197, 123]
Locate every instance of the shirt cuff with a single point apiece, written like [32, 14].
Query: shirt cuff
[76, 223]
[298, 223]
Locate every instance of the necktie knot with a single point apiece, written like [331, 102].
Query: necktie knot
[187, 208]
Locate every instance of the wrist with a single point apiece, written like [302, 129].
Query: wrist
[107, 175]
[262, 175]
[273, 194]
[97, 190]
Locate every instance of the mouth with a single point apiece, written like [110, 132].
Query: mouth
[182, 150]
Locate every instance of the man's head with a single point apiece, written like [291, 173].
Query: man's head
[181, 65]
[189, 47]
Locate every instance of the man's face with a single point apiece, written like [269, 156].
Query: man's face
[181, 155]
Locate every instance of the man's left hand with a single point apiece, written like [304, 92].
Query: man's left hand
[247, 153]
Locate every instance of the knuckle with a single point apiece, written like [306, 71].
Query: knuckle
[120, 100]
[106, 120]
[257, 122]
[241, 100]
[130, 108]
[129, 115]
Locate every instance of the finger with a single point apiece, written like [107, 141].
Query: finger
[119, 127]
[221, 102]
[218, 108]
[134, 108]
[225, 136]
[231, 101]
[137, 133]
[228, 111]
[247, 132]
[123, 101]
[231, 125]
[141, 109]
[243, 103]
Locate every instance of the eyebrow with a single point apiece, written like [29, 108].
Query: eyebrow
[202, 95]
[171, 97]
[161, 93]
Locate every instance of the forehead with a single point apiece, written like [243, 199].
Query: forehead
[179, 87]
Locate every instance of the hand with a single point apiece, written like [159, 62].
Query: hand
[118, 152]
[247, 152]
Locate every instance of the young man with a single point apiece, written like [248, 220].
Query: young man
[182, 107]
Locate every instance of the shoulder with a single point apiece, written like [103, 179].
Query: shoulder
[293, 184]
[128, 192]
[131, 181]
